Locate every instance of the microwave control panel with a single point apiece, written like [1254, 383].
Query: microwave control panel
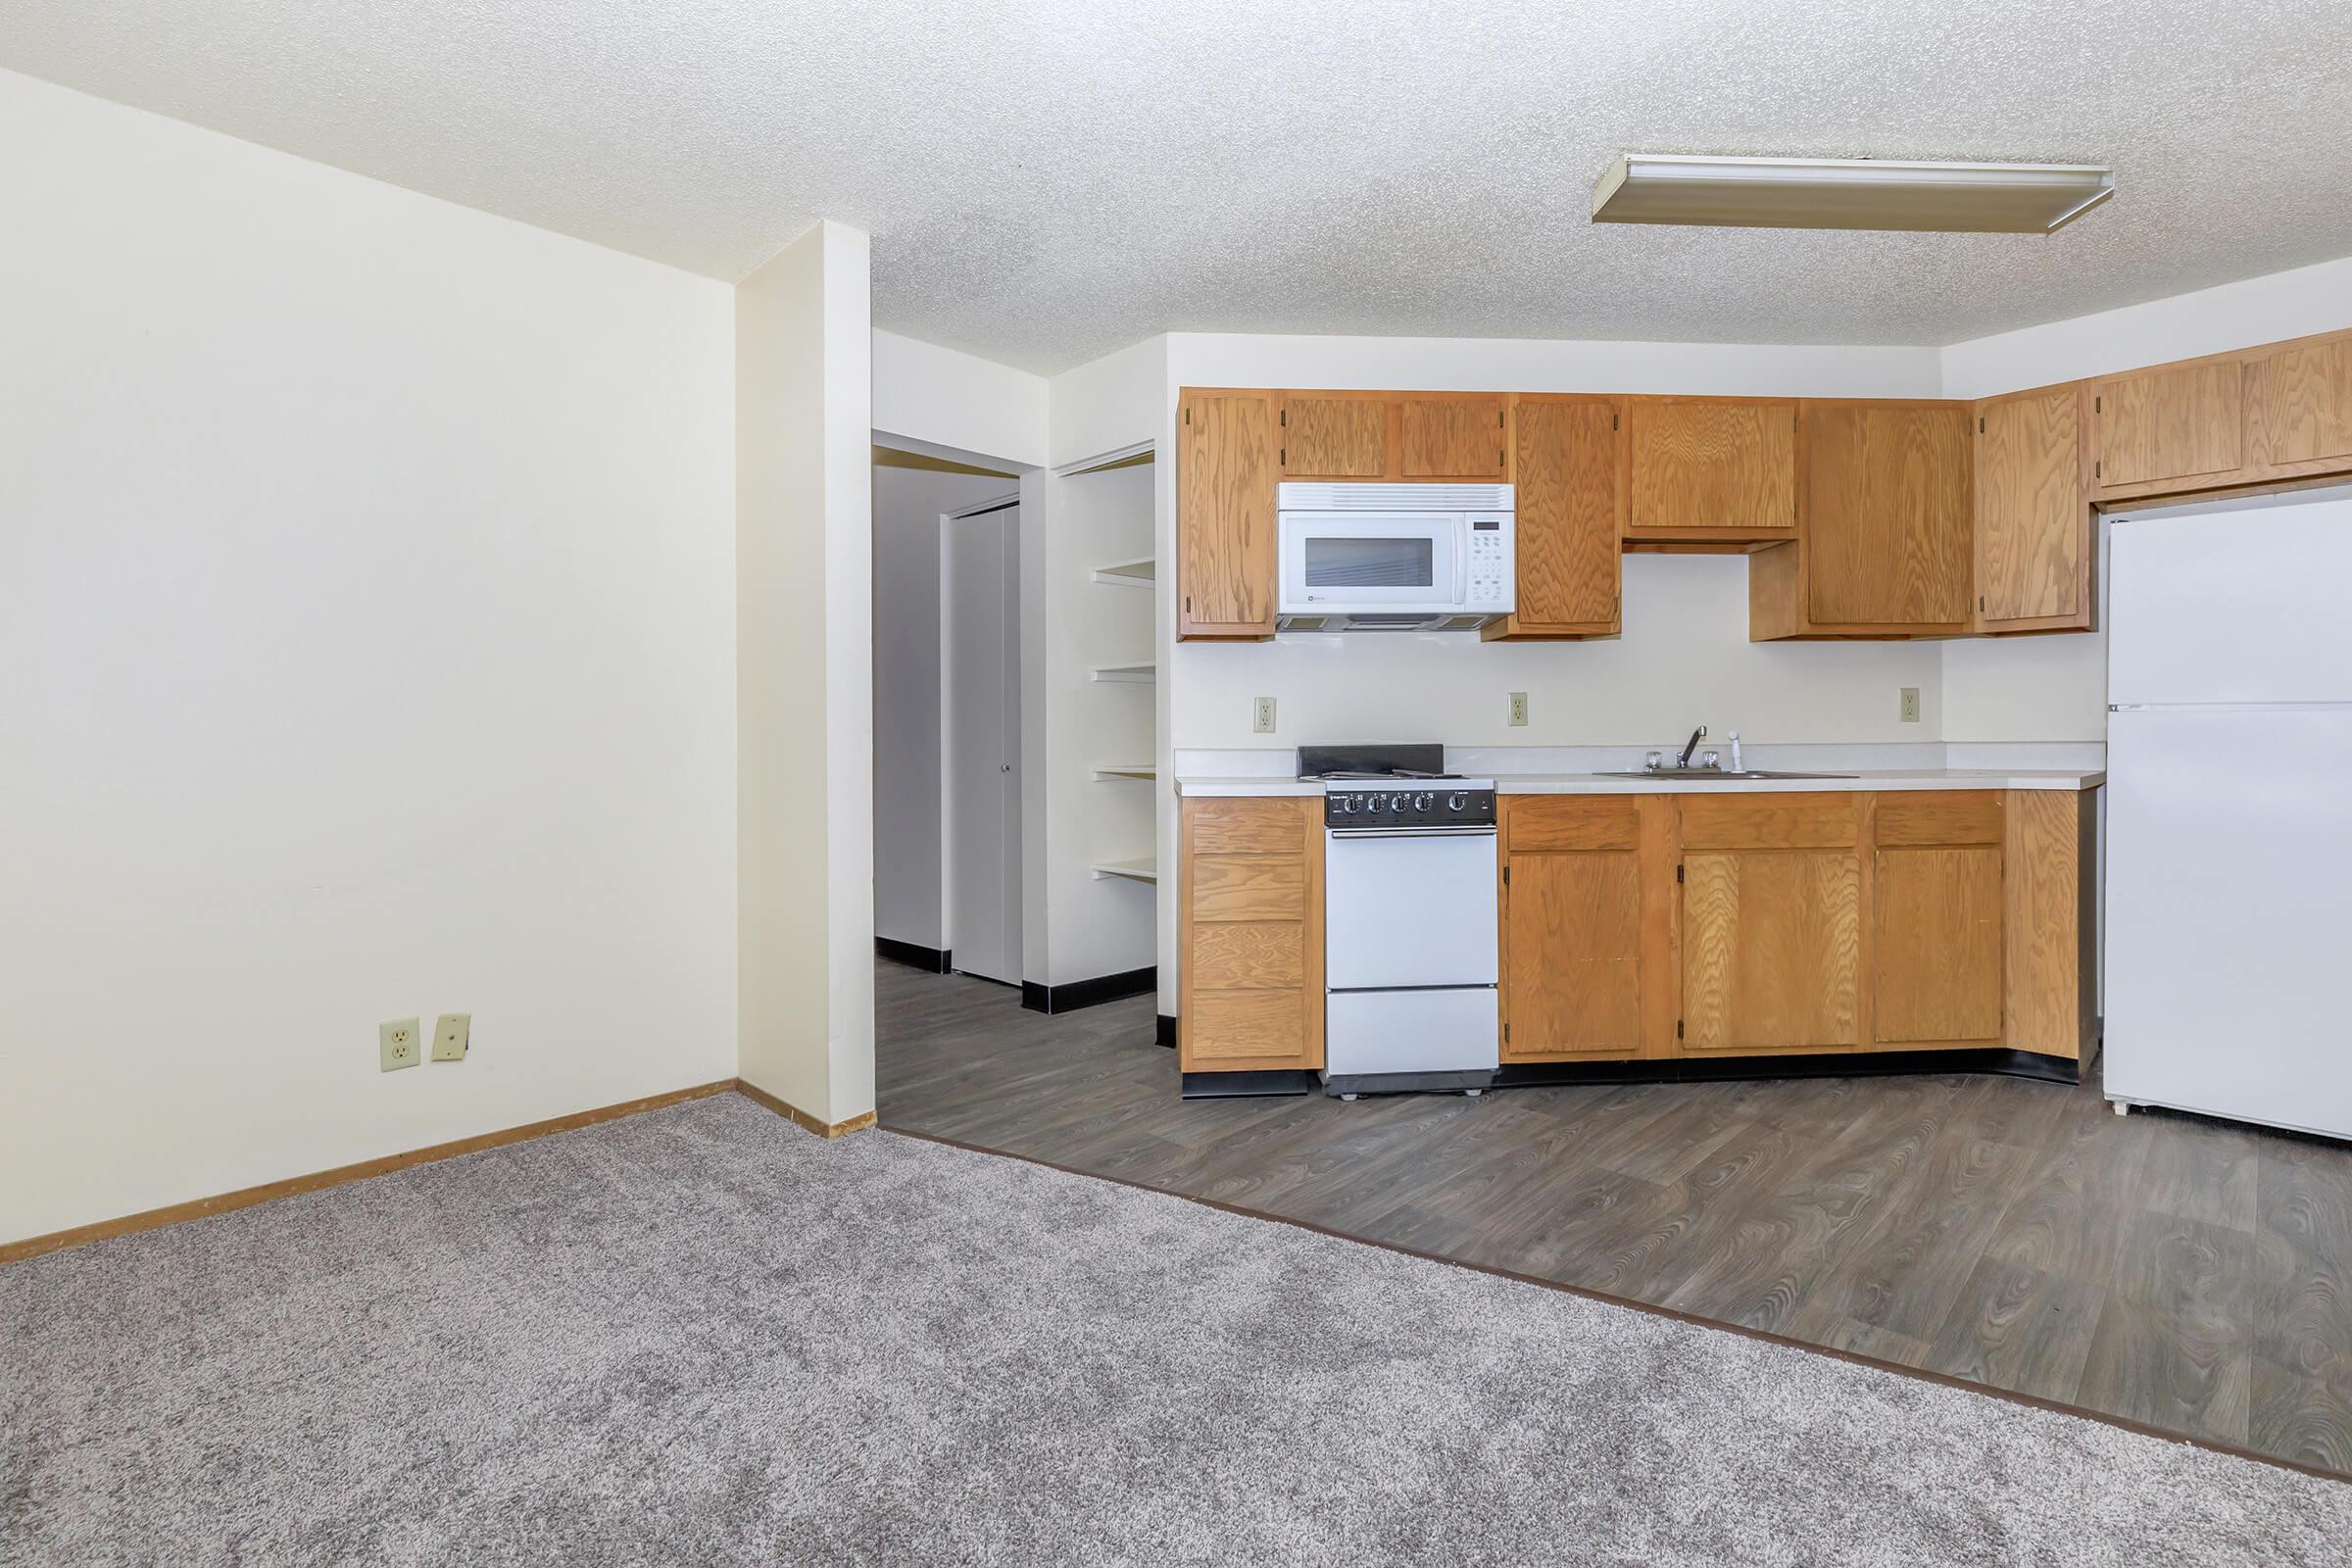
[1491, 574]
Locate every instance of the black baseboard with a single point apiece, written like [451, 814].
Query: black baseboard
[932, 961]
[1167, 1030]
[1089, 993]
[1809, 1064]
[1241, 1085]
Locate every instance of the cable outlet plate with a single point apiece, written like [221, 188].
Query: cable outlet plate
[397, 1044]
[452, 1033]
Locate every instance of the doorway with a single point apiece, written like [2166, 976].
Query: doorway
[980, 710]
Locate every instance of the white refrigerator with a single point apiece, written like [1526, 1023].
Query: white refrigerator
[2228, 932]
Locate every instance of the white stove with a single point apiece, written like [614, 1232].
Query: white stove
[1410, 953]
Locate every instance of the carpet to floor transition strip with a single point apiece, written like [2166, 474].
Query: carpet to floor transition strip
[701, 1336]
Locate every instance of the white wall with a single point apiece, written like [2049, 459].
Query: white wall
[939, 400]
[804, 591]
[909, 504]
[366, 610]
[2055, 688]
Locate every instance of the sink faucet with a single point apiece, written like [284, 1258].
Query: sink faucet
[1696, 735]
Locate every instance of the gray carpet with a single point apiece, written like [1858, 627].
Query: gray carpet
[701, 1336]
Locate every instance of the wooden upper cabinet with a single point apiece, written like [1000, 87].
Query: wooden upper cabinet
[1458, 437]
[1571, 516]
[2036, 534]
[1719, 469]
[2299, 406]
[1225, 538]
[2171, 430]
[1333, 437]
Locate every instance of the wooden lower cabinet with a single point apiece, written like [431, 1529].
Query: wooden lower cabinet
[1249, 958]
[1584, 914]
[1729, 924]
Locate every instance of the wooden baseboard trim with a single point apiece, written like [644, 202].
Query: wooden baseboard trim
[801, 1118]
[247, 1197]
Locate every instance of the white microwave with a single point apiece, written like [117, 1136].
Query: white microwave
[1393, 556]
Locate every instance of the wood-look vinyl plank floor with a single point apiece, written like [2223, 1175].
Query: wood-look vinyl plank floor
[2186, 1273]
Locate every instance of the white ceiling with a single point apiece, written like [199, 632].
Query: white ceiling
[1050, 180]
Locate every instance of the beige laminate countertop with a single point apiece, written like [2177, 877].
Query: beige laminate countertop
[1880, 780]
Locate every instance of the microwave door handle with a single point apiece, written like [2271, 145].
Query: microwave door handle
[1461, 561]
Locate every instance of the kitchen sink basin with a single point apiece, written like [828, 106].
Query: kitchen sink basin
[1711, 774]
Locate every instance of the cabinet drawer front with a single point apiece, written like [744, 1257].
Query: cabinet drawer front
[1963, 816]
[1227, 1025]
[1249, 956]
[1249, 827]
[1575, 822]
[1768, 822]
[1247, 888]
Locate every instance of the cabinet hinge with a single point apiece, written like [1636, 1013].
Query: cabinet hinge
[1678, 1028]
[2096, 404]
[1499, 457]
[1286, 456]
[1979, 424]
[1188, 604]
[1507, 876]
[2096, 468]
[1980, 604]
[1498, 418]
[1506, 1034]
[1188, 414]
[1282, 418]
[1612, 422]
[1677, 873]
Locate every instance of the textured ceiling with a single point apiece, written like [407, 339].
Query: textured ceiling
[1049, 179]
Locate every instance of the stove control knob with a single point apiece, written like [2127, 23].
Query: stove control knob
[1455, 802]
[1421, 801]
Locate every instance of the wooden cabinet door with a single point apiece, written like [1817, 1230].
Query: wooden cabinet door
[1575, 978]
[1249, 948]
[1720, 467]
[1771, 950]
[1333, 437]
[1464, 437]
[2299, 406]
[1887, 527]
[1571, 515]
[1938, 945]
[1225, 476]
[2179, 429]
[2034, 529]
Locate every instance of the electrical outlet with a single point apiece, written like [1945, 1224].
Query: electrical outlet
[396, 1043]
[1262, 715]
[452, 1033]
[1910, 705]
[1519, 709]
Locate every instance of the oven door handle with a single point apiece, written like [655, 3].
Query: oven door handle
[1466, 831]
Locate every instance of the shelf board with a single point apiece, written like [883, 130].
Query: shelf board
[1137, 770]
[1142, 673]
[1140, 574]
[1146, 869]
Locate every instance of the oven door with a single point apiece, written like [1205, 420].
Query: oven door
[1339, 563]
[1408, 908]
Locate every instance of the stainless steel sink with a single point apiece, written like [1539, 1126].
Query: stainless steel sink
[1711, 774]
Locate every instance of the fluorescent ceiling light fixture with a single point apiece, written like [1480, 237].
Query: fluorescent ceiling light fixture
[1848, 193]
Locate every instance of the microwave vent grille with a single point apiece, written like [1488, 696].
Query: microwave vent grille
[1372, 497]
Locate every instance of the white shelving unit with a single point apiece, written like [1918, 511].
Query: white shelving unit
[1140, 574]
[1144, 772]
[1146, 869]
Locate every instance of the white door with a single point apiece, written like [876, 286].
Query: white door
[981, 716]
